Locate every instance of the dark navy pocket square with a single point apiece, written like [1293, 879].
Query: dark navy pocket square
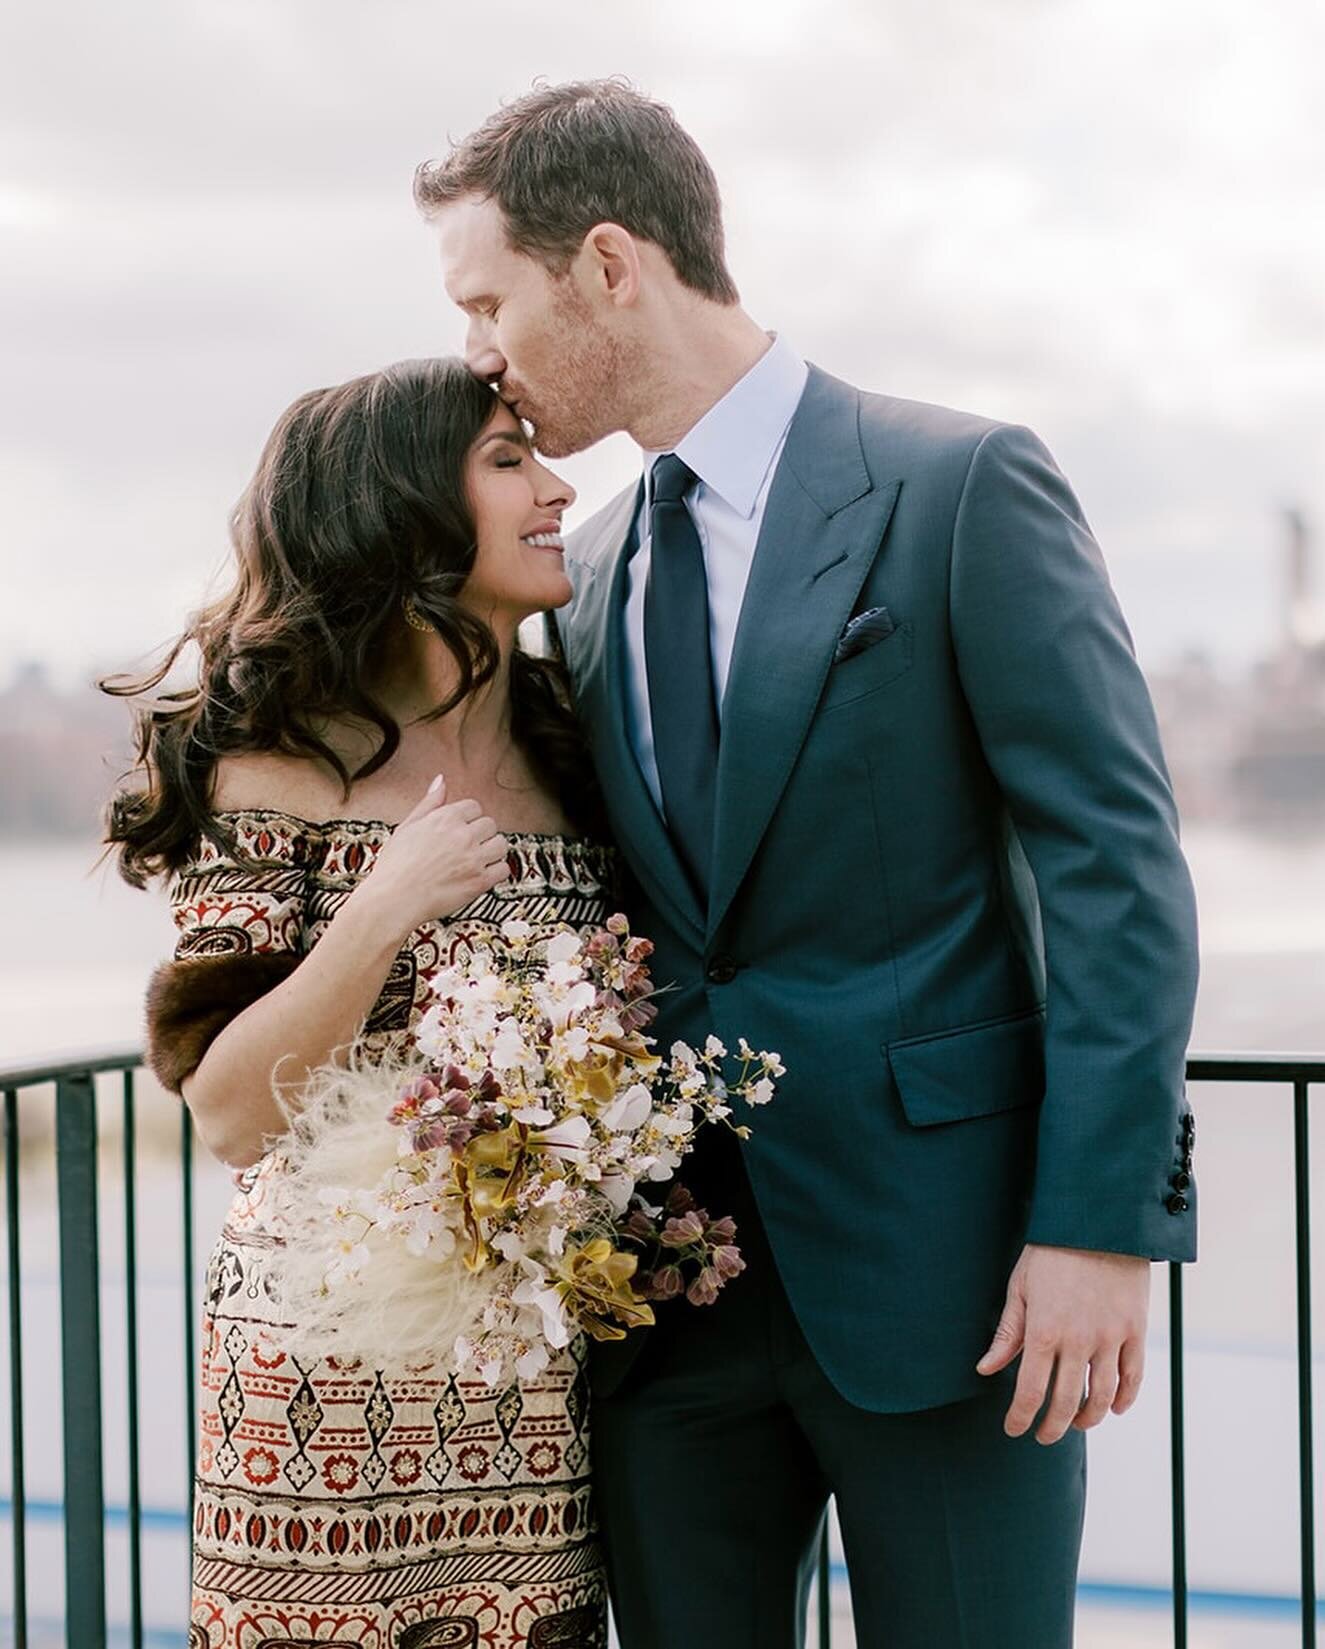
[863, 631]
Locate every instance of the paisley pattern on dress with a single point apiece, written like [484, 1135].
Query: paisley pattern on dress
[392, 1507]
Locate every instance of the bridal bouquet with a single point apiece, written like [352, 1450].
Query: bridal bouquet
[486, 1195]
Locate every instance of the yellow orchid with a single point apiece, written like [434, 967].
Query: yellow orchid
[594, 1280]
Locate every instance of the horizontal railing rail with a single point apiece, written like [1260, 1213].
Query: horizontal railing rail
[84, 1510]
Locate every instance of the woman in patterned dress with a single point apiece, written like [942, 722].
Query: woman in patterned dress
[370, 777]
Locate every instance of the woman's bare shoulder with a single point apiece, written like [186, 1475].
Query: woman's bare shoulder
[270, 779]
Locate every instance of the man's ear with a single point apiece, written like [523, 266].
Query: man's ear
[612, 263]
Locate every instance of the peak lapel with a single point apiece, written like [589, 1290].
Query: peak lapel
[597, 661]
[822, 528]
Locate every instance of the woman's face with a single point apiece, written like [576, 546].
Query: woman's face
[517, 504]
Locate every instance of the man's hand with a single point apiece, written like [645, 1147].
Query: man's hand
[1080, 1312]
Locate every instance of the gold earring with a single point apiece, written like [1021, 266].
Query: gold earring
[413, 617]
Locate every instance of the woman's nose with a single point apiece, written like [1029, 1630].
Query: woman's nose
[556, 494]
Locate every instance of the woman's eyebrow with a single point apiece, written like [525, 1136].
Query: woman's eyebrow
[514, 437]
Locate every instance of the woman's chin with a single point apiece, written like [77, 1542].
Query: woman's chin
[559, 592]
[553, 593]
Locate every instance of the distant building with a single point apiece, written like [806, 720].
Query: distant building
[1277, 774]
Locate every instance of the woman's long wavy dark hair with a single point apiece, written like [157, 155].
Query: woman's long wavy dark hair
[358, 502]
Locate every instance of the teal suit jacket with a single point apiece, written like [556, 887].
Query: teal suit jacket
[946, 884]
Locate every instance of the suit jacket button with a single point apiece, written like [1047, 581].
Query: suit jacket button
[1177, 1203]
[721, 971]
[1180, 1182]
[1187, 1163]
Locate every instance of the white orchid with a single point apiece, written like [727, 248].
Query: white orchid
[351, 1258]
[531, 1362]
[509, 1051]
[568, 1140]
[429, 1231]
[547, 1301]
[618, 1188]
[562, 947]
[571, 1045]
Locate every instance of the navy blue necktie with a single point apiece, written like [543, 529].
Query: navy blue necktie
[678, 663]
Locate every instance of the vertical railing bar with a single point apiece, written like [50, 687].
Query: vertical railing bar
[1177, 1443]
[1302, 1180]
[131, 1336]
[190, 1347]
[825, 1594]
[80, 1355]
[18, 1476]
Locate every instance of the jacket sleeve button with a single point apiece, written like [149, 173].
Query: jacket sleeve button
[1180, 1182]
[1177, 1203]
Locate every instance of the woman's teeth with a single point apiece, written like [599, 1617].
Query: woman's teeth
[543, 540]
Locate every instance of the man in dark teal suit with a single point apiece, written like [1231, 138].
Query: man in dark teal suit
[887, 781]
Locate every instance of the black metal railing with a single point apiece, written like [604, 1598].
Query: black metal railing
[76, 1173]
[76, 1134]
[1300, 1072]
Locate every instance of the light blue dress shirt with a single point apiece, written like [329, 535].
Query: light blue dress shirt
[734, 450]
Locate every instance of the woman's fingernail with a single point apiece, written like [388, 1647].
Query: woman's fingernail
[435, 786]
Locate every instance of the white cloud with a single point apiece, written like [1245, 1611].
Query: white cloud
[1102, 221]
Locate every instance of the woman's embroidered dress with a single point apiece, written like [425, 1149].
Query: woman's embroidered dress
[393, 1508]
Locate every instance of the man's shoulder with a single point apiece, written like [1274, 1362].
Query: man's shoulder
[902, 431]
[925, 420]
[594, 540]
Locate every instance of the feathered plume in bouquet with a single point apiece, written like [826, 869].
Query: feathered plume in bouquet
[481, 1203]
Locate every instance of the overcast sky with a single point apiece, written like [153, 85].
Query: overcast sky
[1100, 217]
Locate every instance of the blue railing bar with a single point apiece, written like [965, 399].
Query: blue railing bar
[17, 1472]
[48, 1630]
[131, 1336]
[1302, 1177]
[1177, 1451]
[1262, 1605]
[122, 1057]
[160, 1518]
[190, 1339]
[80, 1352]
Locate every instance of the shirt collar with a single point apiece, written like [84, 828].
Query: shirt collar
[732, 447]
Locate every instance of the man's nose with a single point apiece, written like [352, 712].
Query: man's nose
[482, 356]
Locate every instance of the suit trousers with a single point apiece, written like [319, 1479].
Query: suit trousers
[715, 1458]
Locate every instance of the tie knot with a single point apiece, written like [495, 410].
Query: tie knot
[672, 479]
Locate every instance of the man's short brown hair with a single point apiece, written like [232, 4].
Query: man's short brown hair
[562, 158]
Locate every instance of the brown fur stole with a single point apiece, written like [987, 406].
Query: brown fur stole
[191, 1001]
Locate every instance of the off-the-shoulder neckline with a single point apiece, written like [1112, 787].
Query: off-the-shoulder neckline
[388, 825]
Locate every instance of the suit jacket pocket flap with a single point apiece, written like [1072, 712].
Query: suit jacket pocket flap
[972, 1071]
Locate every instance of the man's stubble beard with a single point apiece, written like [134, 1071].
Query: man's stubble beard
[592, 368]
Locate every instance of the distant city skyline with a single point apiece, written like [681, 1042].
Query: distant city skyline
[1103, 223]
